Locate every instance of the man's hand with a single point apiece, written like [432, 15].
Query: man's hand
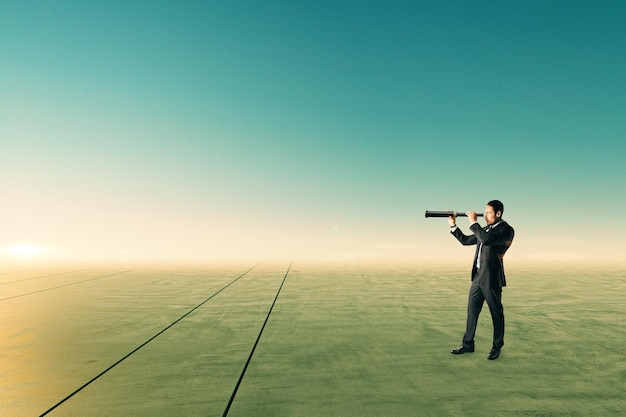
[471, 215]
[452, 221]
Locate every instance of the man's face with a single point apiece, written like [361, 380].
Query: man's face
[490, 215]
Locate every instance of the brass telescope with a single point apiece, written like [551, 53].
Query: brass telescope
[447, 214]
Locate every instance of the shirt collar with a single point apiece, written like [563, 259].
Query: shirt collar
[496, 224]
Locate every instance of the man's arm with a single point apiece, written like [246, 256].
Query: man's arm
[503, 234]
[456, 232]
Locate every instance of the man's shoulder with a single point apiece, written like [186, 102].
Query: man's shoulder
[508, 227]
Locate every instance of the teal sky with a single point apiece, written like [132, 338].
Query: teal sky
[318, 130]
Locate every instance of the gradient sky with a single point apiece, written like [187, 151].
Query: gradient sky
[310, 130]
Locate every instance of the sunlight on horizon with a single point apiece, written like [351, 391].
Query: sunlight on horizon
[24, 250]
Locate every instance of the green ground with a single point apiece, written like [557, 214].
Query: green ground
[340, 342]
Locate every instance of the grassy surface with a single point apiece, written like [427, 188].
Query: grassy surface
[340, 342]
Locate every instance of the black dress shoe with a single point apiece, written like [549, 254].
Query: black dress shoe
[493, 354]
[462, 349]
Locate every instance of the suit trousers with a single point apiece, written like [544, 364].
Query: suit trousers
[478, 294]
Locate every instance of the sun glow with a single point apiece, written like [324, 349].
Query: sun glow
[24, 250]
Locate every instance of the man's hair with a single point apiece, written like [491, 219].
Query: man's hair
[497, 206]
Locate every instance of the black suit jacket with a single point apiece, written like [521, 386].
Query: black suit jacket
[495, 244]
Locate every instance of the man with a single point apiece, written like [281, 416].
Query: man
[487, 273]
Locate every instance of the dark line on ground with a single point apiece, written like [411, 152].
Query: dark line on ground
[144, 344]
[66, 285]
[245, 368]
[44, 276]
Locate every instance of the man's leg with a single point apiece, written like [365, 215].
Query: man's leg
[494, 301]
[474, 306]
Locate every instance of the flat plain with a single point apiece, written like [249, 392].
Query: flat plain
[137, 340]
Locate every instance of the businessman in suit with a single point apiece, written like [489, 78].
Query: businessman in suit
[488, 277]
